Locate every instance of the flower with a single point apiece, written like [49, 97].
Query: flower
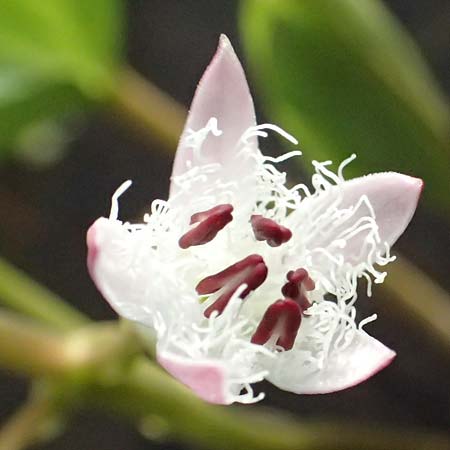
[239, 277]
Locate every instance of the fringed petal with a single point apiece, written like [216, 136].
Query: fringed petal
[365, 356]
[360, 218]
[393, 197]
[111, 250]
[221, 112]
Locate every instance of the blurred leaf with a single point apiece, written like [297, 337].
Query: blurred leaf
[27, 102]
[56, 56]
[348, 79]
[67, 40]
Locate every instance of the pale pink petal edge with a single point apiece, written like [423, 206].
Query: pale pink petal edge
[206, 378]
[365, 357]
[223, 93]
[393, 196]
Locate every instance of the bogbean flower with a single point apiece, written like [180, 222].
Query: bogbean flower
[239, 277]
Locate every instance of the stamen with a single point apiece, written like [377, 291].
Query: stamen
[210, 222]
[281, 321]
[298, 283]
[251, 271]
[270, 231]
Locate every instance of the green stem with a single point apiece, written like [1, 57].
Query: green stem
[32, 423]
[19, 292]
[148, 109]
[148, 392]
[29, 348]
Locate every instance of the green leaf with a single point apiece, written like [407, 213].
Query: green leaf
[345, 78]
[67, 40]
[56, 57]
[26, 101]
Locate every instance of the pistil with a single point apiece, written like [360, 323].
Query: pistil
[298, 283]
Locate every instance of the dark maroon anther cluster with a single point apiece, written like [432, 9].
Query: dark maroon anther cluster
[298, 283]
[282, 318]
[210, 222]
[251, 271]
[270, 231]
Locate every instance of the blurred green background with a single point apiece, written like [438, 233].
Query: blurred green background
[342, 79]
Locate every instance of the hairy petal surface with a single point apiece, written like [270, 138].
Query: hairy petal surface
[223, 101]
[381, 202]
[111, 251]
[364, 357]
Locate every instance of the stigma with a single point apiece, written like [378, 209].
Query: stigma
[298, 283]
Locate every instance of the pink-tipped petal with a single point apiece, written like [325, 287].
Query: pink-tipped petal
[110, 253]
[363, 358]
[393, 198]
[222, 93]
[92, 248]
[206, 378]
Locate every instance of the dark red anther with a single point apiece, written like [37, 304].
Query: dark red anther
[251, 271]
[281, 319]
[270, 231]
[298, 283]
[210, 222]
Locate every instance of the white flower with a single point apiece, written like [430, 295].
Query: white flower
[242, 278]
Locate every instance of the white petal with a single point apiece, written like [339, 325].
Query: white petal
[392, 197]
[364, 357]
[207, 378]
[111, 250]
[222, 93]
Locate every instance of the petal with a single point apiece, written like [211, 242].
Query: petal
[222, 93]
[364, 357]
[111, 249]
[207, 378]
[393, 198]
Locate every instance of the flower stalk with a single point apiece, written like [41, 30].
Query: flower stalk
[29, 348]
[36, 421]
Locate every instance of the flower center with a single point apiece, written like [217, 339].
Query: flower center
[281, 321]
